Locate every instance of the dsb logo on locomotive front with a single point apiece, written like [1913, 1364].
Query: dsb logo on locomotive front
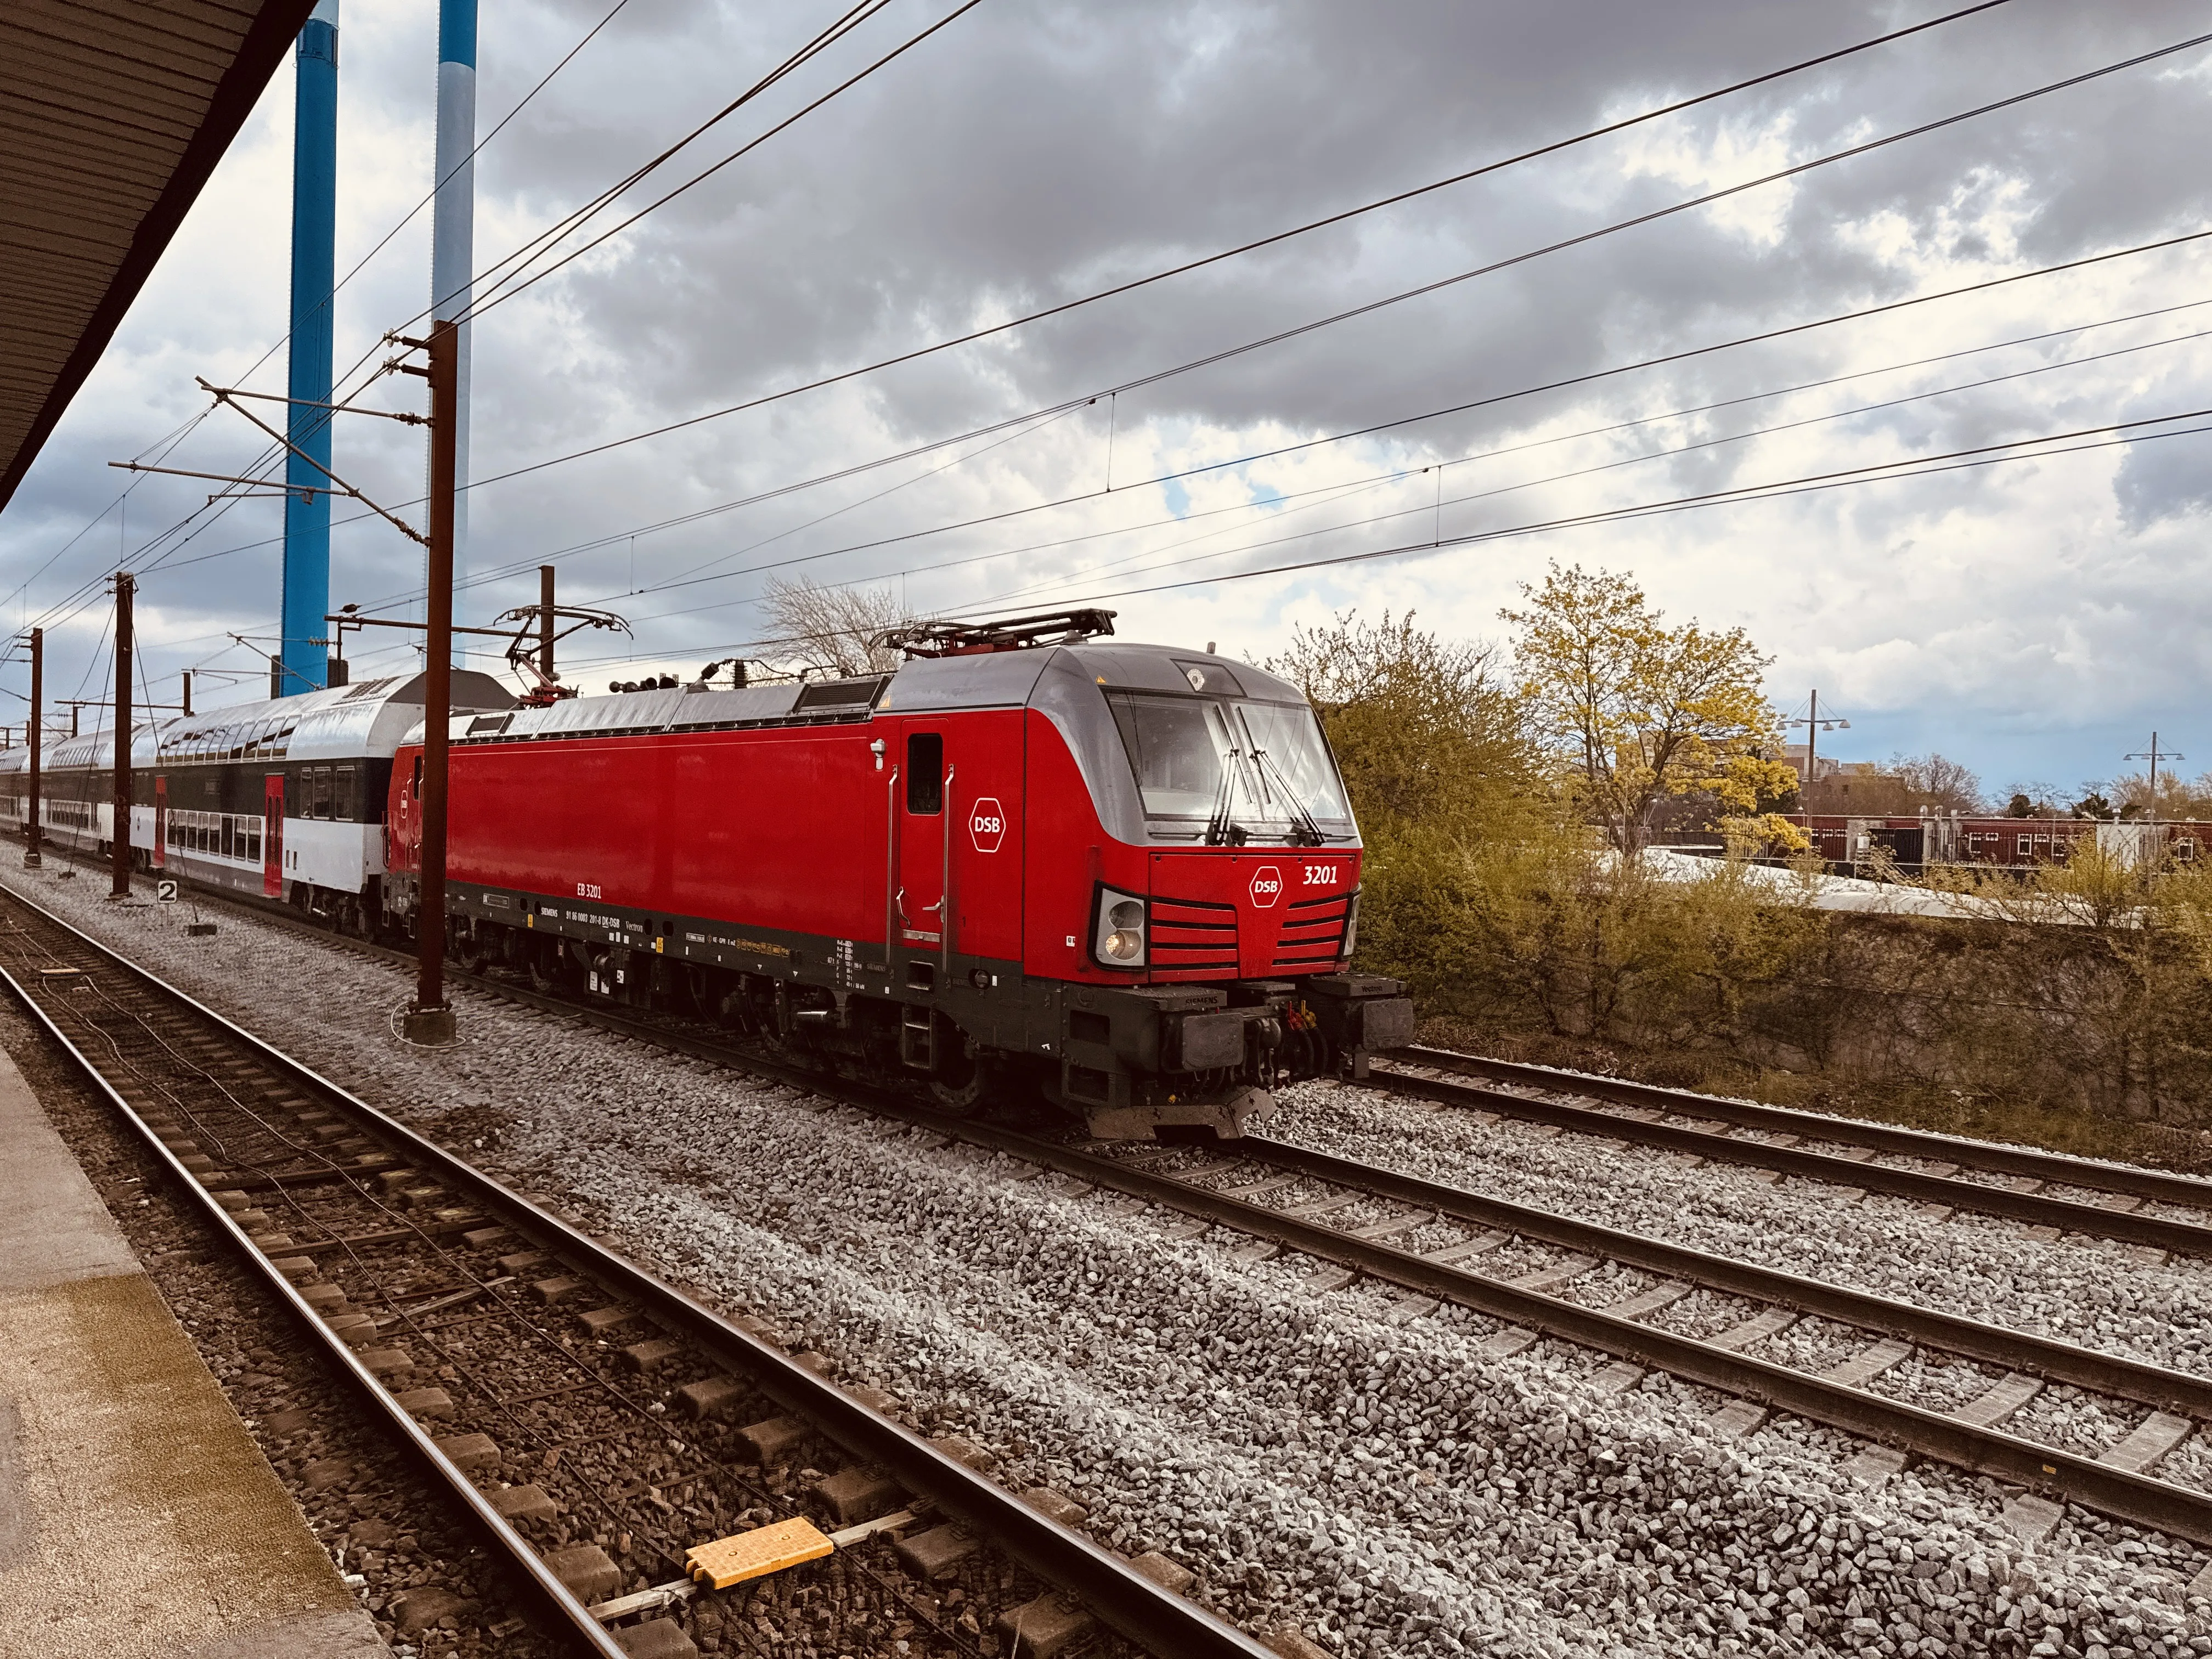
[1266, 885]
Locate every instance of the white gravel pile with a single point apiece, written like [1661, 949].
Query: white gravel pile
[1388, 1487]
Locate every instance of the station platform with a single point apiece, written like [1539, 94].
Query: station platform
[137, 1516]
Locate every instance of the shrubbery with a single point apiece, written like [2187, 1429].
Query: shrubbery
[1523, 924]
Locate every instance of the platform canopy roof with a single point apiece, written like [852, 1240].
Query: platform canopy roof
[112, 115]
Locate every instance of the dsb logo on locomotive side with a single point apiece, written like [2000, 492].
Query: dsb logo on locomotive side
[987, 825]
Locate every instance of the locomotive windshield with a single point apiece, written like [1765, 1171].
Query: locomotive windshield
[1226, 771]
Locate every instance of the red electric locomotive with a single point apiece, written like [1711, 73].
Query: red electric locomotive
[1126, 875]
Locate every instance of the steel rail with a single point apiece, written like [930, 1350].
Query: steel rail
[1115, 1592]
[556, 1595]
[2118, 1492]
[2056, 1361]
[2159, 1184]
[2114, 1492]
[2037, 1209]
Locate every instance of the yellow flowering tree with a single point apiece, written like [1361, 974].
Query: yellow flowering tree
[1634, 711]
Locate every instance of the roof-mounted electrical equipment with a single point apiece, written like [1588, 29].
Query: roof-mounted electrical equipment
[959, 639]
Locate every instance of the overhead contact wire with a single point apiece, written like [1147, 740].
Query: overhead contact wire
[1400, 473]
[1915, 466]
[1706, 199]
[478, 307]
[1491, 401]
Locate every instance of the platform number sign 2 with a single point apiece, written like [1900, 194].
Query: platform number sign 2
[987, 825]
[166, 891]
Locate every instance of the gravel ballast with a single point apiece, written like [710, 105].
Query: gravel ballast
[1320, 1459]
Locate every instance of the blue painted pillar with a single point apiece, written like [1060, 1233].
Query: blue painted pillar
[453, 234]
[314, 216]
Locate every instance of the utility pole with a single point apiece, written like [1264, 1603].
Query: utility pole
[31, 859]
[545, 620]
[119, 837]
[188, 693]
[430, 1019]
[2153, 755]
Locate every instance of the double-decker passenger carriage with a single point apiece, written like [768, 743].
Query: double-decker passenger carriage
[1126, 874]
[283, 798]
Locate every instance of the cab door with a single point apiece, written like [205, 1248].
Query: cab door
[272, 835]
[918, 909]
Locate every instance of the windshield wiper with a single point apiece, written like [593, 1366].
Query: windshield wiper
[1221, 829]
[1302, 819]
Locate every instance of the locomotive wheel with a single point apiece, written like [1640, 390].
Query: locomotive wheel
[544, 968]
[963, 1094]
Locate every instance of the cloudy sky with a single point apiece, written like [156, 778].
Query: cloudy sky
[2036, 618]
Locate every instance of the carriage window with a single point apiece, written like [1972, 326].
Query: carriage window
[254, 840]
[342, 804]
[925, 772]
[319, 802]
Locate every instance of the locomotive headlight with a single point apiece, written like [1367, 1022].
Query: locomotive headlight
[1118, 940]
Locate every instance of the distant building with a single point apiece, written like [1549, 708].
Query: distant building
[1798, 754]
[1844, 786]
[1912, 842]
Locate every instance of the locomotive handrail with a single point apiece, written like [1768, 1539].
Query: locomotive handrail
[944, 906]
[891, 889]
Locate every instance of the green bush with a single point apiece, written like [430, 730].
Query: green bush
[1519, 927]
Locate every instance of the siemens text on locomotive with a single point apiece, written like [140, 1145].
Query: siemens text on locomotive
[1123, 876]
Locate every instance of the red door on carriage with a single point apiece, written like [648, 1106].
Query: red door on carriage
[272, 835]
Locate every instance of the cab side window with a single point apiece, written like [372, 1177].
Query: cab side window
[925, 772]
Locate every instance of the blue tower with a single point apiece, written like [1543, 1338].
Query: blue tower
[314, 216]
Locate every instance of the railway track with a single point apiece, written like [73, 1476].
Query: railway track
[1430, 1240]
[2147, 1209]
[601, 1428]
